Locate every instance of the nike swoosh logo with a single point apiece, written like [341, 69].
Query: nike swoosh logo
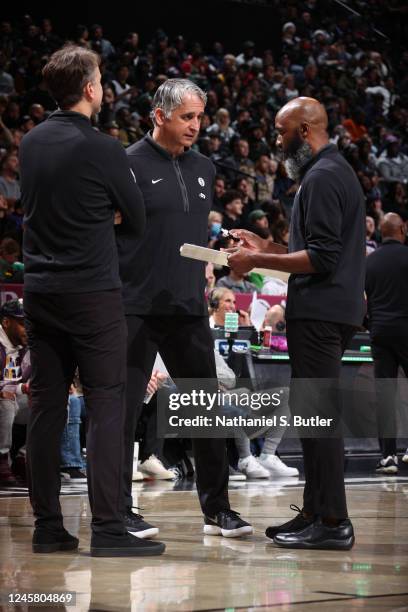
[156, 181]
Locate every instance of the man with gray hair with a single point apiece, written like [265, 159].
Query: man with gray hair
[163, 293]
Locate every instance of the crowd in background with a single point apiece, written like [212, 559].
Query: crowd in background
[336, 57]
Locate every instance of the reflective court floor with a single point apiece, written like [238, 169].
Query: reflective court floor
[204, 573]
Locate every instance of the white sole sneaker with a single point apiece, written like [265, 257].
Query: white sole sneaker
[392, 469]
[214, 530]
[147, 533]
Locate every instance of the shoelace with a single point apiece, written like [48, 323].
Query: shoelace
[138, 516]
[295, 508]
[231, 513]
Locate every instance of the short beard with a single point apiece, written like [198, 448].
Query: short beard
[299, 154]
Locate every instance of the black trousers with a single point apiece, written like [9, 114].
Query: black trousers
[87, 330]
[390, 351]
[186, 346]
[315, 351]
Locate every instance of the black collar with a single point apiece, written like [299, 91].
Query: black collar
[325, 151]
[162, 150]
[69, 114]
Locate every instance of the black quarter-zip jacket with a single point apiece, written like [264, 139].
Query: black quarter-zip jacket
[177, 192]
[328, 220]
[73, 178]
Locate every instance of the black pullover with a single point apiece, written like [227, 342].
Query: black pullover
[328, 220]
[72, 179]
[178, 195]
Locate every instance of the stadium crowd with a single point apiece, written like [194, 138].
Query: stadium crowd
[337, 58]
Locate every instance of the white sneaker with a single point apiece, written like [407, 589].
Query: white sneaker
[405, 457]
[154, 468]
[137, 475]
[276, 466]
[251, 468]
[235, 475]
[387, 465]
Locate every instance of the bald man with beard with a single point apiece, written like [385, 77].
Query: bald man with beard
[387, 315]
[325, 305]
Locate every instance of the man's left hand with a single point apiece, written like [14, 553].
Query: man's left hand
[240, 260]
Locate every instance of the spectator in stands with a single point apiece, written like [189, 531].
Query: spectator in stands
[233, 208]
[214, 227]
[9, 184]
[15, 372]
[236, 282]
[222, 127]
[264, 178]
[219, 191]
[258, 223]
[371, 243]
[100, 44]
[220, 301]
[11, 267]
[393, 164]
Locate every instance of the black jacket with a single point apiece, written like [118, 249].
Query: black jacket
[387, 288]
[73, 178]
[178, 196]
[328, 220]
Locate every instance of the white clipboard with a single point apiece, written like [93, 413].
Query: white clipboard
[193, 251]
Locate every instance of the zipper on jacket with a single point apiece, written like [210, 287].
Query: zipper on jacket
[182, 184]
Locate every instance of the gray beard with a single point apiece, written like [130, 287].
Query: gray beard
[295, 163]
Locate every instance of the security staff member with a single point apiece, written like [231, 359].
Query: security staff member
[387, 314]
[326, 259]
[73, 179]
[164, 293]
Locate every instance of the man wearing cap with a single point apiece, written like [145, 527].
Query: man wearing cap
[15, 372]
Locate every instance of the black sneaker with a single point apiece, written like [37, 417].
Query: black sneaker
[135, 524]
[317, 535]
[72, 476]
[296, 524]
[387, 465]
[45, 541]
[227, 523]
[126, 545]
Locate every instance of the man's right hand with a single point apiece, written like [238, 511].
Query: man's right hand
[250, 241]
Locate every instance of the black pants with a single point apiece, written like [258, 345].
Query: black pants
[315, 350]
[390, 351]
[187, 349]
[87, 330]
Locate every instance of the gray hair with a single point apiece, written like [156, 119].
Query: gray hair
[171, 93]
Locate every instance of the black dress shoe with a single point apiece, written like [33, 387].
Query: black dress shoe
[126, 545]
[46, 541]
[296, 524]
[319, 536]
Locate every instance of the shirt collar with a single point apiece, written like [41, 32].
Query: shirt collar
[69, 114]
[325, 151]
[162, 150]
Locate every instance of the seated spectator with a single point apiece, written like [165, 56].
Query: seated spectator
[214, 227]
[222, 127]
[9, 184]
[264, 178]
[8, 226]
[393, 164]
[11, 267]
[220, 301]
[233, 208]
[355, 125]
[371, 243]
[258, 223]
[15, 371]
[236, 282]
[219, 192]
[280, 232]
